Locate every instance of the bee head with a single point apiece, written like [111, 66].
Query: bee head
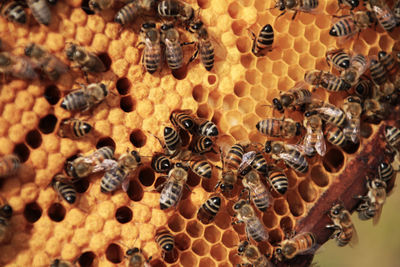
[132, 251]
[28, 50]
[277, 104]
[70, 51]
[242, 246]
[4, 59]
[148, 25]
[268, 147]
[104, 88]
[136, 155]
[6, 211]
[167, 26]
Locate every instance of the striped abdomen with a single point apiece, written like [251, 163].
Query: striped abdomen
[174, 55]
[308, 4]
[209, 210]
[279, 181]
[392, 135]
[113, 178]
[385, 17]
[172, 139]
[255, 229]
[9, 165]
[344, 27]
[378, 72]
[182, 120]
[296, 161]
[165, 240]
[126, 14]
[340, 60]
[264, 40]
[152, 57]
[207, 54]
[385, 171]
[234, 156]
[40, 11]
[160, 163]
[304, 241]
[208, 128]
[344, 237]
[333, 83]
[260, 197]
[65, 190]
[334, 135]
[270, 127]
[201, 168]
[14, 12]
[74, 128]
[170, 195]
[75, 101]
[388, 62]
[259, 163]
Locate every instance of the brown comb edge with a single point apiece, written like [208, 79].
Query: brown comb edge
[350, 182]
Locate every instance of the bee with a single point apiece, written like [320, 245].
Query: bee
[165, 240]
[278, 181]
[9, 165]
[86, 61]
[296, 6]
[202, 145]
[173, 188]
[365, 89]
[48, 63]
[13, 11]
[314, 139]
[383, 14]
[348, 25]
[374, 110]
[257, 190]
[182, 119]
[392, 135]
[160, 163]
[343, 227]
[150, 36]
[62, 263]
[350, 3]
[74, 128]
[85, 165]
[334, 135]
[385, 172]
[173, 49]
[6, 212]
[358, 65]
[297, 96]
[289, 154]
[133, 9]
[19, 67]
[299, 244]
[176, 10]
[378, 72]
[136, 258]
[85, 98]
[284, 128]
[207, 128]
[263, 42]
[339, 59]
[252, 256]
[352, 108]
[326, 80]
[230, 166]
[64, 188]
[396, 11]
[389, 93]
[99, 5]
[389, 63]
[204, 45]
[208, 210]
[253, 160]
[330, 113]
[40, 11]
[118, 174]
[372, 204]
[202, 168]
[244, 213]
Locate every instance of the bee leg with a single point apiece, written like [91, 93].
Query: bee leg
[194, 55]
[294, 15]
[284, 12]
[187, 43]
[86, 76]
[364, 198]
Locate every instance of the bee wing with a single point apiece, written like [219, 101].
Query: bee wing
[354, 239]
[320, 145]
[125, 184]
[246, 160]
[106, 165]
[378, 212]
[330, 111]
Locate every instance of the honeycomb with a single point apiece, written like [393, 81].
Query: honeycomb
[99, 228]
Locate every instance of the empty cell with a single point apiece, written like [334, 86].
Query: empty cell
[306, 61]
[275, 236]
[262, 63]
[52, 94]
[370, 36]
[222, 220]
[317, 49]
[234, 9]
[180, 73]
[295, 203]
[182, 241]
[212, 234]
[319, 177]
[123, 85]
[22, 151]
[234, 258]
[301, 45]
[200, 247]
[194, 228]
[56, 212]
[306, 18]
[224, 264]
[233, 118]
[204, 4]
[284, 83]
[365, 130]
[171, 257]
[337, 98]
[114, 253]
[269, 81]
[246, 3]
[252, 76]
[283, 43]
[127, 104]
[199, 93]
[290, 57]
[188, 210]
[351, 148]
[212, 79]
[176, 223]
[33, 138]
[146, 176]
[207, 262]
[238, 132]
[295, 73]
[247, 60]
[280, 26]
[230, 238]
[135, 190]
[218, 252]
[295, 30]
[229, 102]
[243, 44]
[239, 27]
[311, 34]
[269, 219]
[256, 137]
[333, 160]
[203, 111]
[257, 92]
[246, 105]
[105, 141]
[188, 259]
[279, 68]
[386, 43]
[241, 88]
[82, 185]
[326, 39]
[286, 224]
[123, 214]
[193, 179]
[262, 110]
[47, 124]
[138, 138]
[323, 22]
[307, 191]
[281, 206]
[86, 259]
[260, 5]
[214, 99]
[250, 121]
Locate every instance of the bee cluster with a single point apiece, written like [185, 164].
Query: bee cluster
[15, 10]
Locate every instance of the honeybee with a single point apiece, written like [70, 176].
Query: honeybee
[176, 10]
[173, 188]
[207, 128]
[339, 58]
[136, 258]
[255, 160]
[378, 72]
[6, 212]
[204, 45]
[297, 96]
[208, 210]
[9, 165]
[385, 172]
[278, 181]
[133, 9]
[202, 168]
[372, 204]
[257, 190]
[74, 128]
[64, 188]
[334, 135]
[358, 65]
[182, 119]
[296, 6]
[389, 63]
[40, 11]
[314, 139]
[365, 89]
[392, 135]
[252, 256]
[230, 166]
[348, 25]
[202, 145]
[150, 36]
[374, 110]
[352, 108]
[13, 11]
[263, 42]
[99, 5]
[330, 113]
[383, 14]
[343, 227]
[173, 49]
[299, 244]
[326, 80]
[284, 128]
[62, 263]
[396, 11]
[165, 240]
[86, 61]
[48, 63]
[389, 93]
[19, 67]
[289, 154]
[85, 165]
[118, 173]
[350, 3]
[244, 213]
[160, 163]
[85, 98]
